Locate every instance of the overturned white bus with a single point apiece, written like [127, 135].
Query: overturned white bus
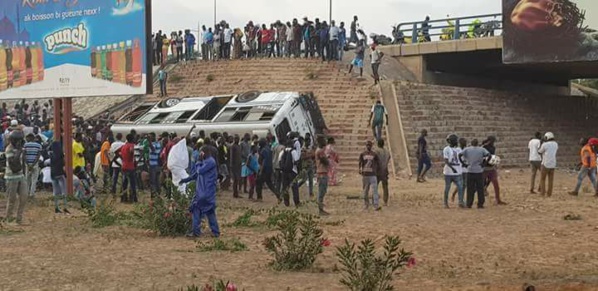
[252, 112]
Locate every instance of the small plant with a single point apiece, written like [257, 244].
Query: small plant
[572, 217]
[168, 216]
[245, 220]
[276, 216]
[364, 271]
[210, 78]
[335, 223]
[298, 242]
[175, 78]
[103, 215]
[218, 286]
[233, 245]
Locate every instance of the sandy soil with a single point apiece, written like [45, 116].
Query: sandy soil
[498, 248]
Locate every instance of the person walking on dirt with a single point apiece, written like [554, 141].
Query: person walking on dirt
[588, 166]
[369, 164]
[353, 29]
[382, 176]
[236, 165]
[535, 159]
[452, 169]
[205, 175]
[548, 151]
[490, 171]
[462, 146]
[322, 164]
[16, 182]
[423, 159]
[378, 113]
[474, 157]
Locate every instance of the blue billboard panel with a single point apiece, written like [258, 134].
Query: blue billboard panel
[72, 48]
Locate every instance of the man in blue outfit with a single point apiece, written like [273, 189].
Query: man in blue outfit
[205, 173]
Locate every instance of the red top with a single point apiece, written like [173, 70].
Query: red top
[266, 36]
[128, 156]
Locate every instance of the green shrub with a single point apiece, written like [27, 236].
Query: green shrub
[245, 220]
[364, 271]
[232, 245]
[103, 215]
[168, 216]
[298, 242]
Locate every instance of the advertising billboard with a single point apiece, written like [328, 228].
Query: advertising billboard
[72, 48]
[540, 31]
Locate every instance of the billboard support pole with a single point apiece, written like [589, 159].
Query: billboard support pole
[149, 75]
[67, 125]
[57, 107]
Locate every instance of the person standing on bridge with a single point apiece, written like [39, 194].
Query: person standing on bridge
[378, 113]
[423, 159]
[426, 29]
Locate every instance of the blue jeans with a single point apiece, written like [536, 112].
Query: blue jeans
[154, 172]
[189, 52]
[130, 176]
[115, 173]
[370, 182]
[309, 178]
[583, 172]
[424, 161]
[377, 129]
[212, 221]
[458, 180]
[322, 189]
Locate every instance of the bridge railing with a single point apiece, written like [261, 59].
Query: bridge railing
[450, 28]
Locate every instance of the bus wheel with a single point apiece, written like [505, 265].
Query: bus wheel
[169, 102]
[248, 96]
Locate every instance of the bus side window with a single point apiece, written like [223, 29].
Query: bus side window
[283, 128]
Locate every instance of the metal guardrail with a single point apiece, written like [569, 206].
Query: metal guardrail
[450, 28]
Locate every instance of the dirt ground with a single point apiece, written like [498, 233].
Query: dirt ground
[497, 248]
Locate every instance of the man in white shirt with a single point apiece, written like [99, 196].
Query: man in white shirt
[535, 159]
[289, 174]
[452, 169]
[333, 32]
[548, 151]
[116, 161]
[228, 37]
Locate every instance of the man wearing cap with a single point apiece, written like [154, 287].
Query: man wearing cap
[369, 164]
[548, 151]
[16, 184]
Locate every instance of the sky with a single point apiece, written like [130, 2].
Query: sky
[374, 15]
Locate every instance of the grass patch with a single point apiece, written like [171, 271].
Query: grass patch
[175, 78]
[572, 217]
[245, 220]
[232, 245]
[335, 223]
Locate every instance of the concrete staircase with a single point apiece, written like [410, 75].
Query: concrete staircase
[512, 117]
[344, 101]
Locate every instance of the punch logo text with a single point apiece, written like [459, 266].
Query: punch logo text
[34, 3]
[76, 37]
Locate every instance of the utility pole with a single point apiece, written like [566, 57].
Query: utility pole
[330, 16]
[215, 21]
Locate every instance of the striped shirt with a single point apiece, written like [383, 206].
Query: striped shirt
[154, 156]
[138, 152]
[32, 150]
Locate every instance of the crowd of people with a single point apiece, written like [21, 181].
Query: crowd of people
[293, 39]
